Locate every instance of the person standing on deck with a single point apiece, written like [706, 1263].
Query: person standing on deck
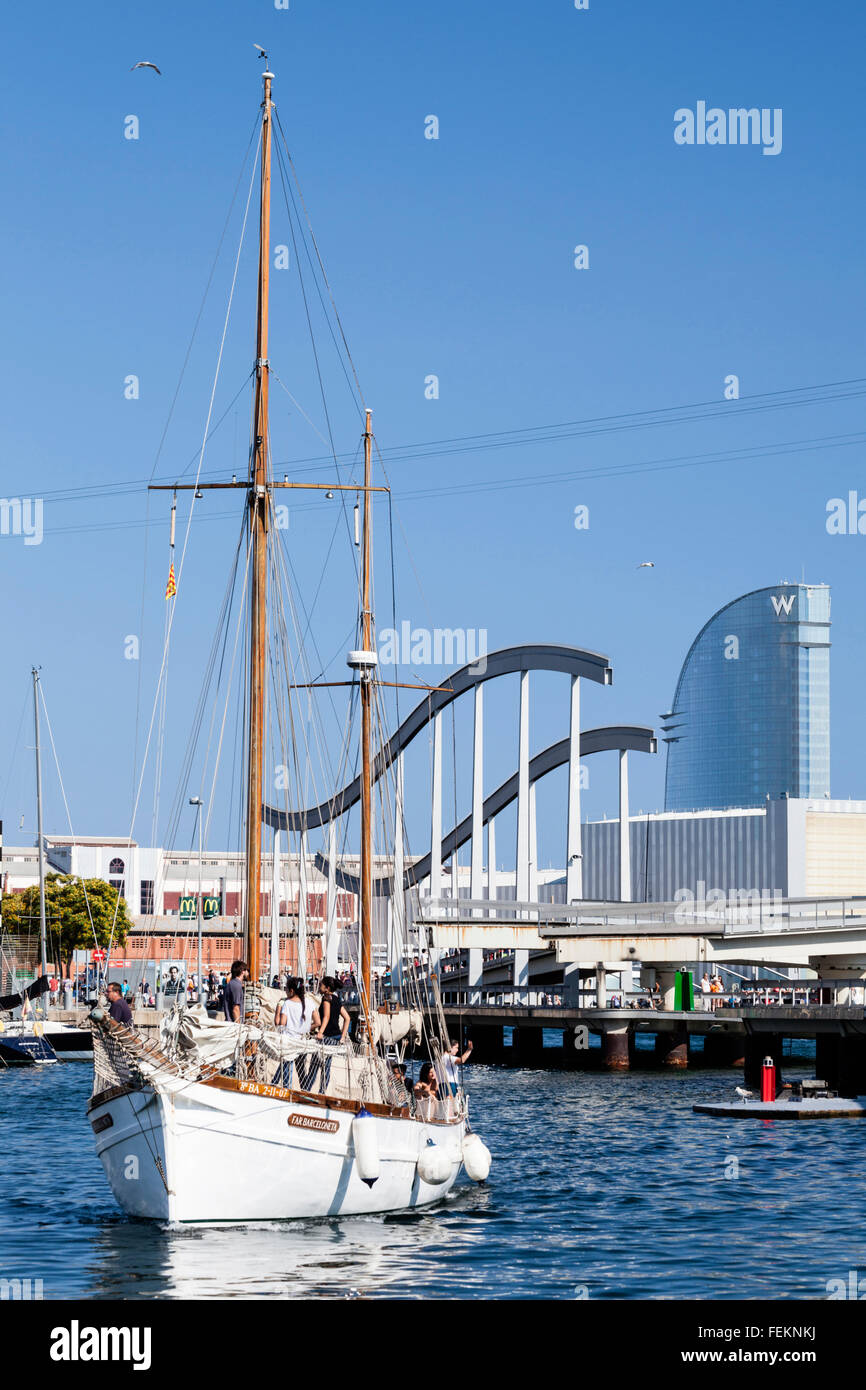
[117, 1005]
[233, 998]
[333, 1026]
[449, 1074]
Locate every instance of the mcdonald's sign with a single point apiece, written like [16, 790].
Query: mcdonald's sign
[210, 907]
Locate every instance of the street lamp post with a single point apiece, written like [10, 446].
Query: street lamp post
[198, 803]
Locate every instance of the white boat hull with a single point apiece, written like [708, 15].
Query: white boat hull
[195, 1154]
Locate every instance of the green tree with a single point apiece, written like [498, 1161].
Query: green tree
[76, 910]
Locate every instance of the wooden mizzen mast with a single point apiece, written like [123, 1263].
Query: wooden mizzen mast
[367, 676]
[258, 505]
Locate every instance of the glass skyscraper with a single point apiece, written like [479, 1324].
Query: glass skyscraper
[751, 713]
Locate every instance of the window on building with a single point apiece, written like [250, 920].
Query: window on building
[146, 897]
[117, 866]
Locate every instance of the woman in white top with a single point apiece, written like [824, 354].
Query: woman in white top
[295, 1016]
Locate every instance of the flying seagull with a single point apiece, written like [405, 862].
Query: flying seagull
[746, 1095]
[646, 565]
[145, 65]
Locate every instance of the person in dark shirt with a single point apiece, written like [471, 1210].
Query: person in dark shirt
[233, 997]
[117, 1005]
[398, 1071]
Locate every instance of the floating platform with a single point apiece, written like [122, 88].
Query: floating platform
[788, 1108]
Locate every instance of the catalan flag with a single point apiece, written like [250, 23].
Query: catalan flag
[171, 586]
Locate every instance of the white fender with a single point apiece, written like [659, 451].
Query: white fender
[366, 1147]
[476, 1158]
[434, 1165]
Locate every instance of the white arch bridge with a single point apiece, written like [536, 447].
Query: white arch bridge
[426, 874]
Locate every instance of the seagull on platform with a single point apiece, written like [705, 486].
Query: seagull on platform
[145, 65]
[746, 1095]
[646, 565]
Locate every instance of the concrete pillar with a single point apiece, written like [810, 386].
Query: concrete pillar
[624, 840]
[276, 893]
[528, 1047]
[672, 1046]
[600, 986]
[522, 890]
[436, 812]
[533, 847]
[667, 980]
[614, 1046]
[851, 1069]
[491, 862]
[397, 913]
[521, 968]
[573, 852]
[725, 1050]
[302, 905]
[828, 1061]
[476, 873]
[475, 974]
[332, 932]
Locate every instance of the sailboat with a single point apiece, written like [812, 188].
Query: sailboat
[23, 1040]
[219, 1121]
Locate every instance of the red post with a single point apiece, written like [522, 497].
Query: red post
[768, 1080]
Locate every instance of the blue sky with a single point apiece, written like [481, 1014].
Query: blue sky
[451, 257]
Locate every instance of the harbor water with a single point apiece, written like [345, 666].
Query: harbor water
[602, 1187]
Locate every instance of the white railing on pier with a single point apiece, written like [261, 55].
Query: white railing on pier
[735, 915]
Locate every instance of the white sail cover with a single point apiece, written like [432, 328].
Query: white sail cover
[393, 1028]
[184, 1032]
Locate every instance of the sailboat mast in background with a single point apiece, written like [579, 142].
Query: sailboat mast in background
[43, 936]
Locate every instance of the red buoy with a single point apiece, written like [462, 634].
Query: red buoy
[768, 1080]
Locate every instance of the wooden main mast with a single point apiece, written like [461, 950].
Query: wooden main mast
[258, 511]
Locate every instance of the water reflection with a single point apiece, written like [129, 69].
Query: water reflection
[355, 1257]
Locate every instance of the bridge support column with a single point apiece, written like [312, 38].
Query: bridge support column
[600, 986]
[851, 1066]
[528, 1047]
[667, 983]
[573, 852]
[475, 974]
[615, 1046]
[491, 861]
[436, 812]
[533, 847]
[672, 1046]
[332, 936]
[725, 1050]
[476, 872]
[397, 904]
[488, 1043]
[521, 968]
[522, 891]
[302, 906]
[624, 841]
[828, 1059]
